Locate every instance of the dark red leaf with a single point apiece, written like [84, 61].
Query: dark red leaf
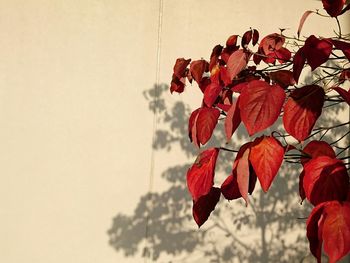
[211, 93]
[315, 149]
[266, 156]
[344, 75]
[232, 40]
[241, 181]
[205, 82]
[343, 93]
[325, 179]
[177, 85]
[299, 60]
[255, 37]
[329, 223]
[214, 57]
[283, 55]
[333, 7]
[192, 124]
[343, 46]
[302, 21]
[247, 37]
[317, 51]
[302, 110]
[197, 69]
[284, 78]
[257, 57]
[312, 231]
[206, 121]
[203, 207]
[229, 187]
[200, 177]
[232, 121]
[237, 62]
[260, 105]
[180, 67]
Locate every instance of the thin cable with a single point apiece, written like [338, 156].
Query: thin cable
[155, 122]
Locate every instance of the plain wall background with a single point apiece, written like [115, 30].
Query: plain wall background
[75, 130]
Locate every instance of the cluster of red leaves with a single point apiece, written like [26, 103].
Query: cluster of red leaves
[234, 88]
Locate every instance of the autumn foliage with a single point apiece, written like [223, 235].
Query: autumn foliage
[256, 82]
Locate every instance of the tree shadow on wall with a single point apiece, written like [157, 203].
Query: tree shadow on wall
[270, 229]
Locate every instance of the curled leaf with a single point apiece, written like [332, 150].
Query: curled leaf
[302, 21]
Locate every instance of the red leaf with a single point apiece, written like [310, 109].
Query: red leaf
[329, 223]
[243, 175]
[229, 187]
[200, 177]
[271, 43]
[191, 124]
[225, 76]
[345, 75]
[241, 181]
[247, 37]
[302, 110]
[214, 57]
[180, 67]
[312, 231]
[177, 85]
[206, 121]
[197, 69]
[232, 121]
[302, 21]
[237, 62]
[284, 78]
[333, 7]
[283, 55]
[239, 87]
[211, 93]
[343, 46]
[205, 205]
[317, 51]
[298, 63]
[224, 107]
[325, 179]
[266, 156]
[336, 230]
[231, 41]
[343, 93]
[255, 37]
[260, 105]
[315, 149]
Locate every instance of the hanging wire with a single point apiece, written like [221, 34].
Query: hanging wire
[154, 128]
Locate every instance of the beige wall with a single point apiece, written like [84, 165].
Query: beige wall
[75, 130]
